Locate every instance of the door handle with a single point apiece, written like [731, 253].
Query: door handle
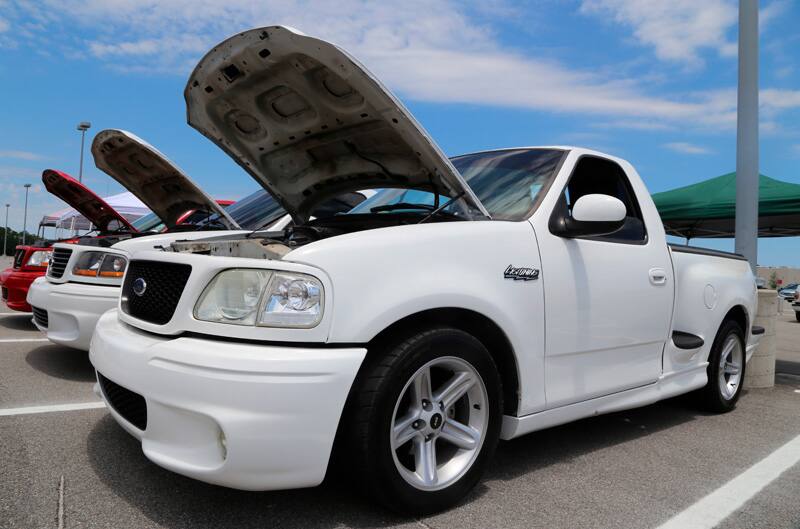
[658, 276]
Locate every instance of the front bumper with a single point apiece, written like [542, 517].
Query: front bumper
[15, 284]
[72, 309]
[241, 415]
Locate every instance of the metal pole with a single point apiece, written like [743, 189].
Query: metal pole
[25, 215]
[80, 170]
[5, 232]
[83, 126]
[747, 134]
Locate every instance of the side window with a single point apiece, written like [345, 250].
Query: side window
[598, 175]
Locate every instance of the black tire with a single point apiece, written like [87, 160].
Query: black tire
[711, 397]
[371, 408]
[797, 316]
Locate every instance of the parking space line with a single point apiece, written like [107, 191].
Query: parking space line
[711, 510]
[52, 408]
[20, 340]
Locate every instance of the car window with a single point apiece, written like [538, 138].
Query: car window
[253, 211]
[598, 175]
[508, 183]
[149, 222]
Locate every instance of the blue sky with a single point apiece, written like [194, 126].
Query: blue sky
[651, 81]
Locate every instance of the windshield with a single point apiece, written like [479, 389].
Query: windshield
[508, 183]
[253, 211]
[149, 222]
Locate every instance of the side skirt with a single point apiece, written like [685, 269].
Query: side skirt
[668, 385]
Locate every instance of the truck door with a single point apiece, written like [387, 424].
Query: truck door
[608, 300]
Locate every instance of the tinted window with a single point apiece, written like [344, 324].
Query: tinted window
[598, 175]
[509, 183]
[253, 211]
[149, 222]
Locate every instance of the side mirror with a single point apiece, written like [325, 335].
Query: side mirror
[592, 216]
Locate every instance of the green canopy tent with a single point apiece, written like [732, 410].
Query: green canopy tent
[708, 209]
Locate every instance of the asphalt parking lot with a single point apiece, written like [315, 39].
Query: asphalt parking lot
[639, 468]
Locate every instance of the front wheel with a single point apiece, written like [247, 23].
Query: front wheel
[726, 365]
[426, 420]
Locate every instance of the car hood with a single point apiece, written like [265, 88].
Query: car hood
[308, 121]
[83, 200]
[151, 176]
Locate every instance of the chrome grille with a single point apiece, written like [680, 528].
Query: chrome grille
[58, 262]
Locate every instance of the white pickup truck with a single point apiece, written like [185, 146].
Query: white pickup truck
[470, 300]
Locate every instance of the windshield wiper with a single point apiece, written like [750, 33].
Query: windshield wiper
[262, 226]
[401, 205]
[442, 207]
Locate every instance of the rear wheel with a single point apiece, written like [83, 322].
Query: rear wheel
[425, 420]
[726, 366]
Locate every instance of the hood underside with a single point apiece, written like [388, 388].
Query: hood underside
[309, 122]
[152, 177]
[84, 201]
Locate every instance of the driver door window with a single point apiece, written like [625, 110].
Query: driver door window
[596, 175]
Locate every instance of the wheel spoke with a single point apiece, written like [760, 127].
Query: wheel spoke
[731, 368]
[454, 389]
[425, 459]
[403, 430]
[728, 348]
[421, 388]
[460, 435]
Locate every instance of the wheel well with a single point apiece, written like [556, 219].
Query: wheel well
[739, 315]
[473, 323]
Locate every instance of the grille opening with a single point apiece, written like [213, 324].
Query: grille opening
[40, 316]
[18, 256]
[159, 289]
[58, 262]
[131, 406]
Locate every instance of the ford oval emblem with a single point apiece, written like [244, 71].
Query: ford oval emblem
[139, 286]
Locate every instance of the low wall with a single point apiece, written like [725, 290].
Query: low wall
[760, 372]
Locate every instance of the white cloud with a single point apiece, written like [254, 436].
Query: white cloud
[687, 148]
[428, 51]
[677, 29]
[4, 25]
[21, 155]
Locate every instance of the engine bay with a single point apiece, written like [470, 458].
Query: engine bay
[276, 244]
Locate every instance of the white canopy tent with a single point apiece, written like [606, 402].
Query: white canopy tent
[71, 220]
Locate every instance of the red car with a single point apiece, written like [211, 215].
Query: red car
[31, 261]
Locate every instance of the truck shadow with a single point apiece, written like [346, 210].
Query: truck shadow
[61, 362]
[177, 502]
[17, 322]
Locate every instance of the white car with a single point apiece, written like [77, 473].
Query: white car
[481, 298]
[84, 279]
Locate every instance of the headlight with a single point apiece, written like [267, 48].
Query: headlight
[39, 258]
[94, 264]
[259, 297]
[292, 300]
[233, 296]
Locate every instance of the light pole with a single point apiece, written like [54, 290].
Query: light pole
[25, 215]
[83, 126]
[747, 134]
[5, 232]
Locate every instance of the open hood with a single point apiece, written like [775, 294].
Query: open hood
[308, 121]
[152, 177]
[83, 200]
